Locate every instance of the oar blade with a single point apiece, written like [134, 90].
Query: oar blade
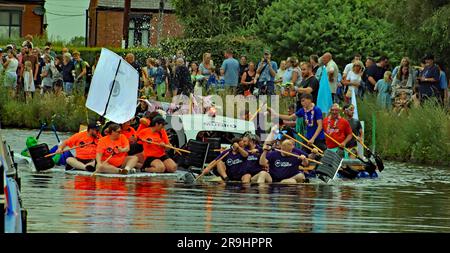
[379, 162]
[331, 163]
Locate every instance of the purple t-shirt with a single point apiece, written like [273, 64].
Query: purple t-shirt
[235, 165]
[283, 167]
[310, 118]
[252, 163]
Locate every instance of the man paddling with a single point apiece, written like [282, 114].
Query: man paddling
[284, 168]
[355, 124]
[86, 143]
[312, 116]
[112, 152]
[155, 158]
[338, 128]
[258, 173]
[232, 167]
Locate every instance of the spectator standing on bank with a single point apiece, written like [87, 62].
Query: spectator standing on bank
[67, 69]
[376, 72]
[314, 60]
[243, 66]
[266, 72]
[383, 87]
[80, 73]
[429, 79]
[333, 73]
[230, 70]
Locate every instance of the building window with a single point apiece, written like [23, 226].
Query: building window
[10, 23]
[139, 31]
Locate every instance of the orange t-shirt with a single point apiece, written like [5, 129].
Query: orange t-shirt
[143, 126]
[129, 132]
[106, 147]
[153, 150]
[86, 152]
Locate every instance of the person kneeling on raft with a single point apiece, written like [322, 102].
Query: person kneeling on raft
[257, 172]
[86, 143]
[112, 152]
[155, 158]
[283, 167]
[232, 167]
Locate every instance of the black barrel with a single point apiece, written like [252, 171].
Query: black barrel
[37, 154]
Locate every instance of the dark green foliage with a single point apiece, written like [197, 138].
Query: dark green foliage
[302, 28]
[209, 18]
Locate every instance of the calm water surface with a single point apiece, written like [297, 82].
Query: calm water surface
[404, 199]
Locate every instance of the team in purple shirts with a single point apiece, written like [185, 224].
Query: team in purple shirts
[247, 162]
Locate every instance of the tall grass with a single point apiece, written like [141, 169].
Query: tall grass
[66, 113]
[421, 135]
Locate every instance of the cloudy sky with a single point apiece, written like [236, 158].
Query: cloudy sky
[66, 18]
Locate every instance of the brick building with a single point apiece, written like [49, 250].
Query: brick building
[21, 17]
[106, 23]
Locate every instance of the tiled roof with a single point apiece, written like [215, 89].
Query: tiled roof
[136, 4]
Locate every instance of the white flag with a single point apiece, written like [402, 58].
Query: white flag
[123, 99]
[355, 105]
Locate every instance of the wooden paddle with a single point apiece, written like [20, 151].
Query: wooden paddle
[305, 139]
[304, 145]
[256, 113]
[166, 146]
[107, 160]
[335, 141]
[79, 146]
[294, 155]
[211, 165]
[378, 159]
[370, 166]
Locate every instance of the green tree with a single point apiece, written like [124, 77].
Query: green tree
[209, 18]
[303, 27]
[421, 26]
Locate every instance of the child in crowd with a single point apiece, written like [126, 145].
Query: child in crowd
[384, 89]
[221, 82]
[147, 90]
[28, 81]
[401, 103]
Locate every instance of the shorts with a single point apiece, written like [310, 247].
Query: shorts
[135, 148]
[83, 161]
[148, 161]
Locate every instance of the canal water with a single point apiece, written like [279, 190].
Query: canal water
[404, 198]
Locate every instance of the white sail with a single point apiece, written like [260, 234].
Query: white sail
[122, 101]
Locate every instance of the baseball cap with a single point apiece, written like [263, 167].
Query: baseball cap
[266, 51]
[159, 120]
[93, 126]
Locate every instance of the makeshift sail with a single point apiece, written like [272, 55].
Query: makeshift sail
[114, 88]
[324, 98]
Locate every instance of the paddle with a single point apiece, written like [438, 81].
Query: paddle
[107, 159]
[211, 165]
[378, 159]
[166, 146]
[256, 113]
[294, 155]
[305, 139]
[370, 166]
[60, 152]
[304, 145]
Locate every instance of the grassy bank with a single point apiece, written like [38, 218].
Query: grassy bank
[422, 135]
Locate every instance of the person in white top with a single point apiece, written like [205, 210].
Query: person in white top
[28, 80]
[349, 66]
[353, 79]
[10, 67]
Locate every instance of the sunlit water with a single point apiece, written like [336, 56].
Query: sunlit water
[404, 199]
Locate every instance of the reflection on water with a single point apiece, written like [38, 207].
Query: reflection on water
[404, 199]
